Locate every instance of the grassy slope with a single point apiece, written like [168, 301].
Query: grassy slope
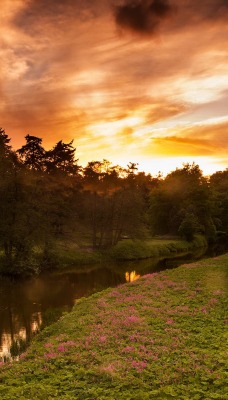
[160, 337]
[69, 254]
[140, 249]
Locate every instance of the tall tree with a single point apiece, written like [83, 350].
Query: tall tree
[182, 193]
[32, 153]
[219, 187]
[61, 158]
[115, 201]
[5, 147]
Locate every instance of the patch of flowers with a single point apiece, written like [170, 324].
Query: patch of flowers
[159, 337]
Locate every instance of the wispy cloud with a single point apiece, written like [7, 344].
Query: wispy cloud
[113, 74]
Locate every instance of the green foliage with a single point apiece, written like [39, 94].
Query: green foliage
[131, 250]
[160, 337]
[71, 257]
[188, 227]
[183, 203]
[45, 198]
[18, 347]
[137, 249]
[219, 188]
[52, 315]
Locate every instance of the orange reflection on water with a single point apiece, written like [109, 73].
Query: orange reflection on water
[131, 276]
[37, 322]
[6, 343]
[7, 338]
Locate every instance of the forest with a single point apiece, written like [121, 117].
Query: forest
[47, 198]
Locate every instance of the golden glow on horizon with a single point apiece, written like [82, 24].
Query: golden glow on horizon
[72, 72]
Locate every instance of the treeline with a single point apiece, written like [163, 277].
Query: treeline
[45, 196]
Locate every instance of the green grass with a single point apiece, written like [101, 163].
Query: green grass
[137, 249]
[78, 255]
[160, 337]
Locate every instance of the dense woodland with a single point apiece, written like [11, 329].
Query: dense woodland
[46, 197]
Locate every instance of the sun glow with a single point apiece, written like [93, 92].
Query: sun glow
[164, 164]
[203, 90]
[118, 91]
[112, 128]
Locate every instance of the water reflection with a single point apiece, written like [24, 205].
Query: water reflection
[24, 305]
[131, 276]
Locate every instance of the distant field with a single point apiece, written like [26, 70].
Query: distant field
[160, 337]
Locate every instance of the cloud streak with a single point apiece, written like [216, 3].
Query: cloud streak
[207, 140]
[113, 74]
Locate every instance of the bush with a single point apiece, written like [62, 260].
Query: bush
[131, 250]
[188, 227]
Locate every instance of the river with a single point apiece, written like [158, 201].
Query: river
[27, 304]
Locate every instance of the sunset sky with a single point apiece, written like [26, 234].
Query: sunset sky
[141, 81]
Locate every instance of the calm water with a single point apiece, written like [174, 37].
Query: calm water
[24, 305]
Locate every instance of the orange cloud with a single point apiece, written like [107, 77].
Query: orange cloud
[69, 72]
[207, 140]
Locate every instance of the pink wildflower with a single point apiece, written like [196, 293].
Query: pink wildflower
[133, 319]
[139, 365]
[169, 321]
[48, 345]
[23, 355]
[128, 349]
[102, 339]
[213, 301]
[218, 292]
[170, 283]
[87, 343]
[61, 348]
[69, 343]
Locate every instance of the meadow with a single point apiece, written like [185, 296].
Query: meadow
[160, 337]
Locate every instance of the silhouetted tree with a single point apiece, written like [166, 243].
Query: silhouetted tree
[115, 202]
[183, 192]
[5, 148]
[61, 158]
[32, 154]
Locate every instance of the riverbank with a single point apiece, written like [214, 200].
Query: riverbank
[155, 247]
[65, 255]
[160, 337]
[127, 249]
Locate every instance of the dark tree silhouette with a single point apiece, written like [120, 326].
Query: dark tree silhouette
[5, 148]
[61, 158]
[47, 201]
[32, 153]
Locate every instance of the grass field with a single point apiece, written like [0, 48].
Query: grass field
[160, 248]
[160, 337]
